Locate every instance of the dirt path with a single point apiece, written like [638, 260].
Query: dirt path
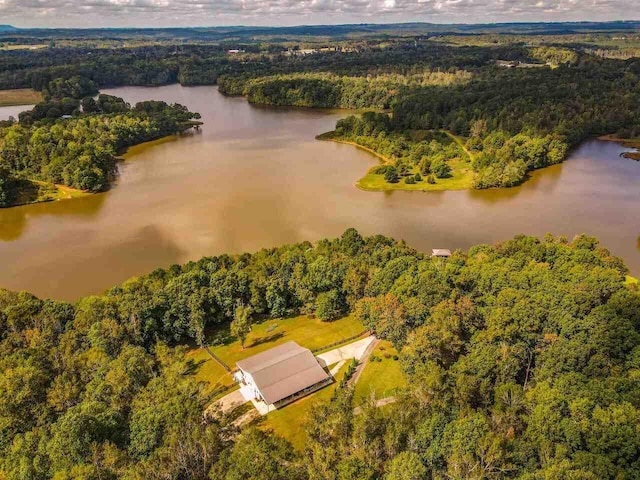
[459, 142]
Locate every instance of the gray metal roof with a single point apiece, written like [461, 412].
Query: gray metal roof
[440, 252]
[283, 371]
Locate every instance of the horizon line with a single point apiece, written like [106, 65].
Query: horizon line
[307, 25]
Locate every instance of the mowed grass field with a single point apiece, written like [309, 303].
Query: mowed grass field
[308, 332]
[382, 376]
[461, 173]
[311, 333]
[22, 96]
[461, 179]
[289, 421]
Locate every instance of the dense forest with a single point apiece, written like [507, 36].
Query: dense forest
[80, 149]
[514, 121]
[524, 361]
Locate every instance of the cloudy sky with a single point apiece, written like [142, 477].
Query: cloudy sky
[117, 13]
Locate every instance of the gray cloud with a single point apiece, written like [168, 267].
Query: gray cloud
[111, 13]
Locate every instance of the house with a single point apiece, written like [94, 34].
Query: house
[440, 253]
[280, 375]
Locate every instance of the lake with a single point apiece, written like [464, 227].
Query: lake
[255, 177]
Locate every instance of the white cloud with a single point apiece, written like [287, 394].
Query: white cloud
[101, 13]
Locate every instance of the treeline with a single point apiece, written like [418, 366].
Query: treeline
[80, 152]
[515, 120]
[203, 64]
[523, 361]
[325, 90]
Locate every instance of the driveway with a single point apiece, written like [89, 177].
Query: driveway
[346, 352]
[230, 401]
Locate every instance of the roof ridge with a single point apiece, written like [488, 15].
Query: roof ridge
[301, 352]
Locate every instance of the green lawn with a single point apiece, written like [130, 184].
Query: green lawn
[461, 179]
[20, 96]
[208, 370]
[308, 332]
[289, 421]
[461, 172]
[382, 378]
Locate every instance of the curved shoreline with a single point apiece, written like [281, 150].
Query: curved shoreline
[400, 186]
[625, 142]
[328, 136]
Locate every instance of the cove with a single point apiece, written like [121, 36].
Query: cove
[255, 177]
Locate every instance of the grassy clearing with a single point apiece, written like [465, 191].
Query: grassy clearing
[461, 178]
[209, 371]
[308, 332]
[22, 47]
[382, 377]
[288, 422]
[22, 96]
[24, 192]
[629, 280]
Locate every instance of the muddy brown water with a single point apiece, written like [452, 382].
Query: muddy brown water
[255, 177]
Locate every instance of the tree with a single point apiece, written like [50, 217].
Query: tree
[329, 305]
[391, 174]
[259, 456]
[406, 466]
[241, 323]
[441, 169]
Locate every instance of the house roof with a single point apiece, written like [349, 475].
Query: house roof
[440, 252]
[283, 371]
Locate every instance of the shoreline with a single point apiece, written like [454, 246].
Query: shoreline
[58, 193]
[64, 192]
[328, 137]
[400, 186]
[633, 143]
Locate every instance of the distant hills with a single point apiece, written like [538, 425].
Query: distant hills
[249, 33]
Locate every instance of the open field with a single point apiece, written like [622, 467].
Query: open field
[209, 371]
[461, 179]
[22, 46]
[308, 332]
[382, 376]
[289, 421]
[311, 333]
[22, 96]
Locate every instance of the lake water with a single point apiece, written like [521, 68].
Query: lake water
[255, 177]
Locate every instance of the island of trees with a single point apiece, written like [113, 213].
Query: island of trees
[523, 360]
[484, 105]
[73, 140]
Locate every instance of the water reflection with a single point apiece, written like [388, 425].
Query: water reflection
[256, 177]
[13, 221]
